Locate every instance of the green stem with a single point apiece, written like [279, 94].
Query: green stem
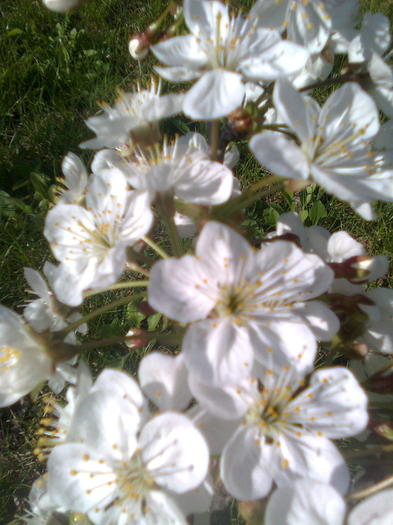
[373, 489]
[368, 451]
[155, 25]
[118, 286]
[155, 247]
[214, 138]
[173, 234]
[280, 129]
[348, 77]
[251, 195]
[103, 309]
[173, 338]
[135, 267]
[166, 209]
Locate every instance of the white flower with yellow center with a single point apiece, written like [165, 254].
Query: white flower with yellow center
[307, 23]
[285, 427]
[333, 148]
[223, 52]
[25, 358]
[243, 304]
[91, 242]
[134, 116]
[122, 471]
[182, 169]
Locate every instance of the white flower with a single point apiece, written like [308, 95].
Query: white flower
[313, 503]
[305, 501]
[243, 303]
[56, 425]
[183, 169]
[285, 430]
[134, 115]
[122, 471]
[335, 145]
[374, 37]
[375, 510]
[379, 330]
[222, 52]
[164, 379]
[46, 313]
[368, 49]
[91, 241]
[338, 247]
[25, 358]
[75, 180]
[307, 23]
[41, 506]
[60, 6]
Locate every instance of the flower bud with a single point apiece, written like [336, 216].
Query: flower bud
[240, 121]
[360, 268]
[136, 338]
[138, 46]
[60, 6]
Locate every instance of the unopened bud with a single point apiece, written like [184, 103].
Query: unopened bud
[136, 338]
[384, 430]
[139, 46]
[359, 349]
[360, 268]
[240, 121]
[60, 6]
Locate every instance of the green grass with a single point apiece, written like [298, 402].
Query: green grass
[53, 70]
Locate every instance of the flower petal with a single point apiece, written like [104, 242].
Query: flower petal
[216, 94]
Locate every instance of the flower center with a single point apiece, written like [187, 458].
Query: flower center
[8, 357]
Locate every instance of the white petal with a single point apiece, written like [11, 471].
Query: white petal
[314, 457]
[106, 423]
[227, 254]
[282, 343]
[121, 384]
[322, 321]
[350, 106]
[244, 475]
[375, 510]
[280, 155]
[305, 501]
[342, 246]
[177, 73]
[281, 59]
[216, 94]
[202, 17]
[205, 182]
[175, 452]
[218, 352]
[182, 51]
[79, 478]
[225, 402]
[164, 380]
[177, 289]
[334, 403]
[298, 112]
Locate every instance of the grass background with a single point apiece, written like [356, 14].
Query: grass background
[53, 70]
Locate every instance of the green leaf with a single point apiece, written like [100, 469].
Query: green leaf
[14, 32]
[303, 214]
[133, 316]
[153, 321]
[317, 212]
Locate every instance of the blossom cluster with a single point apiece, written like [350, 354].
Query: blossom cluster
[243, 395]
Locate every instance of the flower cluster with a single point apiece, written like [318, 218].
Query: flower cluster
[254, 374]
